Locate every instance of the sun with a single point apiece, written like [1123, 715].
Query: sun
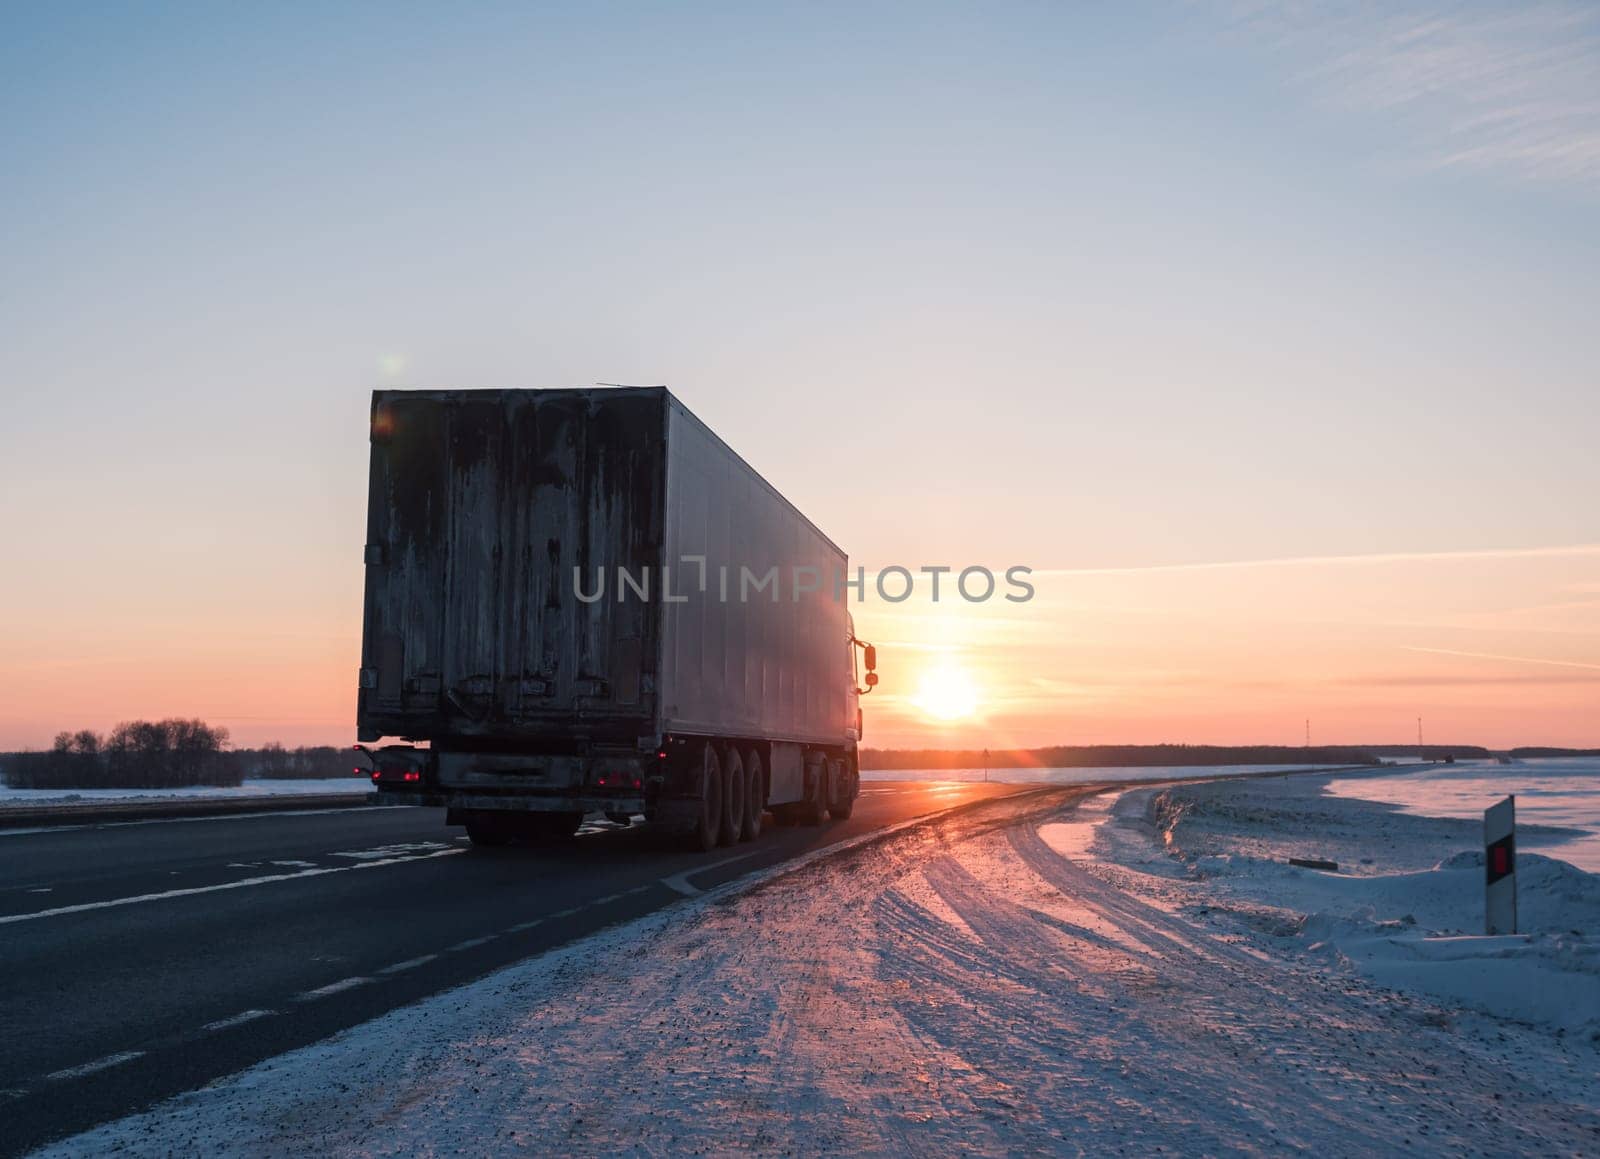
[947, 694]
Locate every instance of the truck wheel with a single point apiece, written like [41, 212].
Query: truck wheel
[844, 787]
[755, 795]
[488, 830]
[732, 796]
[814, 809]
[708, 825]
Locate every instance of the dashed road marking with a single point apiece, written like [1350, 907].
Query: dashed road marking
[408, 964]
[238, 1019]
[332, 988]
[470, 944]
[521, 926]
[99, 1064]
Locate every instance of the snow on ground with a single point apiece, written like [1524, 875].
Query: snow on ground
[1561, 792]
[251, 788]
[1405, 908]
[979, 983]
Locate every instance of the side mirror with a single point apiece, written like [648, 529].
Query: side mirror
[872, 679]
[872, 660]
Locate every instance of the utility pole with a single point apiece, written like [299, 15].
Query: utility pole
[1308, 732]
[986, 766]
[1419, 739]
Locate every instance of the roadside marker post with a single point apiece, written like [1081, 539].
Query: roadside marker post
[1500, 867]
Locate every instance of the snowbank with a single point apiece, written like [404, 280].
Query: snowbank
[1405, 908]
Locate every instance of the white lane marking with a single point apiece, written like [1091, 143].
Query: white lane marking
[248, 881]
[522, 927]
[680, 881]
[384, 852]
[332, 988]
[408, 964]
[248, 815]
[46, 889]
[99, 1064]
[470, 944]
[238, 1019]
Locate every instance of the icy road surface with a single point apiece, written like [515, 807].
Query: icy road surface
[976, 983]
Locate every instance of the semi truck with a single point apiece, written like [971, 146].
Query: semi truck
[582, 601]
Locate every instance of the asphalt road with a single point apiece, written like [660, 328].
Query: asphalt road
[142, 959]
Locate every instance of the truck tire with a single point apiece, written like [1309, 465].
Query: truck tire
[732, 796]
[845, 792]
[755, 795]
[488, 830]
[708, 823]
[814, 809]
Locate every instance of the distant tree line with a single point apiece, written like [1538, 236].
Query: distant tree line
[1536, 751]
[140, 754]
[163, 754]
[274, 762]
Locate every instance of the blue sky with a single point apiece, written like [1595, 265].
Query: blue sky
[1081, 287]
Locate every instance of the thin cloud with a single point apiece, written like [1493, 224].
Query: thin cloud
[1512, 89]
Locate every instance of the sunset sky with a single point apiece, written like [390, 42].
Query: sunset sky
[1266, 336]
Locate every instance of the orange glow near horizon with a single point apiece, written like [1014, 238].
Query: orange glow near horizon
[1495, 649]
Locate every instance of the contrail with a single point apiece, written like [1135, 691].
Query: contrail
[1315, 560]
[1497, 656]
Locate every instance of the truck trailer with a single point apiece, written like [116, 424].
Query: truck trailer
[583, 601]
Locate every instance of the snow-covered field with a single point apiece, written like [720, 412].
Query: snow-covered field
[1557, 793]
[1011, 978]
[249, 789]
[1404, 909]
